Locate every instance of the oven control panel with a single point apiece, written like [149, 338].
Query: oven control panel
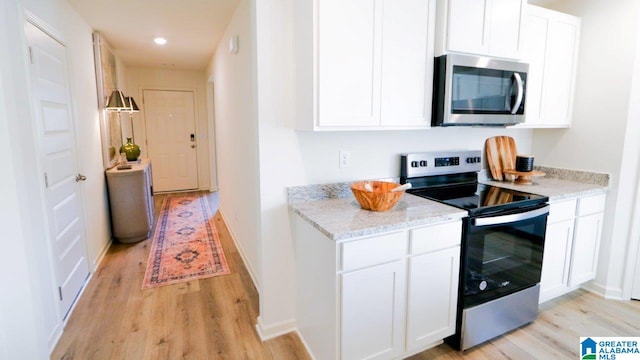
[440, 163]
[446, 161]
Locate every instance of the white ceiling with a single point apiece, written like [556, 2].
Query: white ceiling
[192, 28]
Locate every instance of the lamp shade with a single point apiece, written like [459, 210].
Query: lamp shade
[116, 101]
[131, 104]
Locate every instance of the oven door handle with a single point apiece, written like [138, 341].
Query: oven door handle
[505, 219]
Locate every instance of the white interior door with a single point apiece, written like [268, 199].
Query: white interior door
[171, 138]
[56, 137]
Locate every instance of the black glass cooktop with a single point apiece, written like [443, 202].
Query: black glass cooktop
[480, 198]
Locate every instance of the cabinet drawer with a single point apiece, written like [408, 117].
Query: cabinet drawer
[436, 237]
[374, 250]
[591, 204]
[561, 211]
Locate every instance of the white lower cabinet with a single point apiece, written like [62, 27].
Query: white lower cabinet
[433, 293]
[372, 312]
[556, 259]
[586, 243]
[381, 297]
[571, 245]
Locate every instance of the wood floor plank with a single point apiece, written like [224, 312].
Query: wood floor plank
[215, 318]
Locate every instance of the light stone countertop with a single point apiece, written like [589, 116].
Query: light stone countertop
[332, 209]
[342, 218]
[555, 189]
[557, 184]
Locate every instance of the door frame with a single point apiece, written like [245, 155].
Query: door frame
[211, 133]
[36, 21]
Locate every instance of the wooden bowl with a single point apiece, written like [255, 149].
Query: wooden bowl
[381, 199]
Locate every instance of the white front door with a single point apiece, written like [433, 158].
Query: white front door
[56, 142]
[171, 138]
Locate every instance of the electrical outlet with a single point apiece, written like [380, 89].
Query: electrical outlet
[345, 158]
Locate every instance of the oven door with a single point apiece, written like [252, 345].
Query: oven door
[502, 253]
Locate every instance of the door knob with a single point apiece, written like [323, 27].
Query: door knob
[80, 177]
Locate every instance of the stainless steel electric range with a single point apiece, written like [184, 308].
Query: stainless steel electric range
[502, 243]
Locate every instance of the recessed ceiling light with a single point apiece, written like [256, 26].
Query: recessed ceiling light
[160, 40]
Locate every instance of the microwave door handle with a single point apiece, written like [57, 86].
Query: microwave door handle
[505, 219]
[515, 107]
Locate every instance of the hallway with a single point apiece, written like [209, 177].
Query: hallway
[205, 319]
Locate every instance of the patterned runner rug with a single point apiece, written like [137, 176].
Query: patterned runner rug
[185, 243]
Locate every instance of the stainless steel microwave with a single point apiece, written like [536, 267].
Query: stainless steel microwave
[474, 90]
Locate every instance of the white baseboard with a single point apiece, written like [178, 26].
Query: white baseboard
[103, 253]
[304, 343]
[247, 265]
[272, 331]
[55, 337]
[604, 291]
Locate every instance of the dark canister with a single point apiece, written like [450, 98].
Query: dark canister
[524, 163]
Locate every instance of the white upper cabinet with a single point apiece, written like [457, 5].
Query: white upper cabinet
[346, 49]
[407, 62]
[482, 27]
[551, 48]
[363, 64]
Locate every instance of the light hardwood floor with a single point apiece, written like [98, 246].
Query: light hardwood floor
[204, 319]
[556, 333]
[215, 318]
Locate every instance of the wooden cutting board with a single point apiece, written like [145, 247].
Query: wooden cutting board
[501, 155]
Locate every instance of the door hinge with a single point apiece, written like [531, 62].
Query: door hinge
[46, 181]
[60, 292]
[31, 55]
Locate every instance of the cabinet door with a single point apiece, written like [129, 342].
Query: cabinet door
[550, 47]
[586, 244]
[536, 27]
[467, 29]
[347, 90]
[556, 259]
[407, 62]
[559, 71]
[433, 295]
[506, 28]
[373, 312]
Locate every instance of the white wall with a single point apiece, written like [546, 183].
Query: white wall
[604, 133]
[79, 43]
[27, 212]
[21, 331]
[288, 157]
[236, 129]
[138, 79]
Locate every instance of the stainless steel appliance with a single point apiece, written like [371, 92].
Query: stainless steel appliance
[502, 243]
[473, 90]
